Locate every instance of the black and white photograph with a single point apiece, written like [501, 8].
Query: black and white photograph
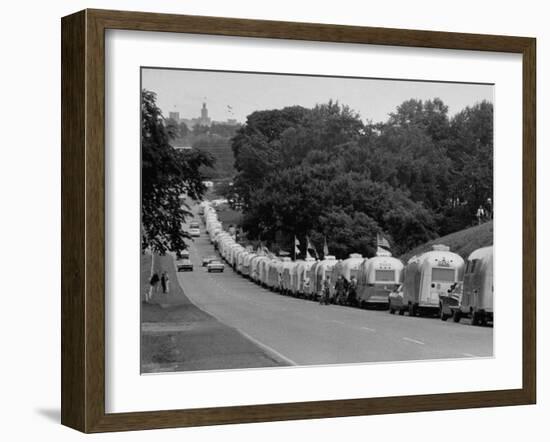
[306, 220]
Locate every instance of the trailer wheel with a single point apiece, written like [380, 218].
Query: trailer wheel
[483, 320]
[442, 314]
[412, 309]
[475, 318]
[401, 312]
[457, 315]
[392, 310]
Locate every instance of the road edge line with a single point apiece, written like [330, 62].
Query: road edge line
[274, 353]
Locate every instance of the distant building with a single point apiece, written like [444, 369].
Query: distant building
[174, 116]
[203, 120]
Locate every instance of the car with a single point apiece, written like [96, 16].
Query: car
[195, 232]
[215, 266]
[184, 265]
[184, 254]
[194, 225]
[395, 300]
[450, 302]
[208, 259]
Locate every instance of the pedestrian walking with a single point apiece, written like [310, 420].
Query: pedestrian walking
[352, 292]
[164, 282]
[153, 282]
[325, 293]
[340, 290]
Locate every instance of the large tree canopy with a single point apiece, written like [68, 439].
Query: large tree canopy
[167, 176]
[322, 172]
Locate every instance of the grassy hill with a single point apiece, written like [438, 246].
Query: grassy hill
[463, 242]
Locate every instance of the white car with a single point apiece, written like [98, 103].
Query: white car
[215, 266]
[183, 265]
[195, 232]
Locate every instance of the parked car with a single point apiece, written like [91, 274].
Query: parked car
[193, 225]
[195, 232]
[208, 259]
[184, 265]
[395, 300]
[215, 266]
[449, 302]
[183, 255]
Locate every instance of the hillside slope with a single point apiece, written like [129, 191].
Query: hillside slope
[463, 242]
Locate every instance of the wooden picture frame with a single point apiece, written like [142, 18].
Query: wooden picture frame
[83, 220]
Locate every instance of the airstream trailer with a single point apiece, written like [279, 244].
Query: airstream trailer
[323, 271]
[240, 255]
[310, 281]
[263, 269]
[294, 281]
[477, 290]
[224, 246]
[246, 267]
[377, 278]
[255, 268]
[275, 269]
[229, 246]
[286, 275]
[302, 275]
[429, 276]
[234, 253]
[347, 268]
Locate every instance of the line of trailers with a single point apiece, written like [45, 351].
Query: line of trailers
[436, 282]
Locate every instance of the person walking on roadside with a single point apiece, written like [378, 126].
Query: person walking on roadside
[352, 292]
[340, 290]
[164, 281]
[153, 282]
[325, 292]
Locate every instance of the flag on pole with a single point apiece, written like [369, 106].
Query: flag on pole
[382, 242]
[296, 249]
[325, 248]
[309, 247]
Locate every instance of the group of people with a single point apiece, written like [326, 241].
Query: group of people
[345, 292]
[154, 282]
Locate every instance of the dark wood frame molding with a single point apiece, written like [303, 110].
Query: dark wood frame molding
[83, 217]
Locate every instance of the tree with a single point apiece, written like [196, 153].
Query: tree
[167, 176]
[321, 172]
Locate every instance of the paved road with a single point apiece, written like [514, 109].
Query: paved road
[304, 333]
[178, 336]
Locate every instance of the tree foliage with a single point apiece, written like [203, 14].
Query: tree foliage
[322, 172]
[167, 176]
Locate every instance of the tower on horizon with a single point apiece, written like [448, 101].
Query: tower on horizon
[204, 120]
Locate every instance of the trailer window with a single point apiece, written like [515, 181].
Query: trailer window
[443, 275]
[385, 275]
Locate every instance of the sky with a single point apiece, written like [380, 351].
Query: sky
[236, 95]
